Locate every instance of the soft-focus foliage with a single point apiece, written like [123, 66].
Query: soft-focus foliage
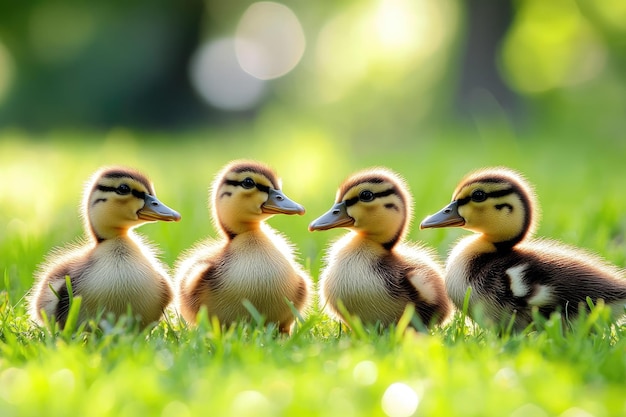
[364, 67]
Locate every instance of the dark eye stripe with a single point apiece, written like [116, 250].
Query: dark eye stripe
[260, 187]
[352, 201]
[500, 193]
[493, 194]
[139, 194]
[385, 193]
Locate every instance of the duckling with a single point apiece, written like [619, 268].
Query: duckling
[510, 272]
[114, 270]
[252, 262]
[371, 270]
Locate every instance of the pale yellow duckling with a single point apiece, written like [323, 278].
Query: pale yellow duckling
[115, 271]
[508, 271]
[372, 271]
[252, 262]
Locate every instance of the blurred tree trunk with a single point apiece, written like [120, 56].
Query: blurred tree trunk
[131, 70]
[487, 22]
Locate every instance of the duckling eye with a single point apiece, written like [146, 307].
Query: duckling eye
[366, 195]
[479, 196]
[123, 189]
[248, 183]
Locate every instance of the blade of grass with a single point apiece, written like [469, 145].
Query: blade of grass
[257, 317]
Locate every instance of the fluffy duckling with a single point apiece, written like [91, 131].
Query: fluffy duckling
[252, 262]
[115, 270]
[508, 271]
[371, 270]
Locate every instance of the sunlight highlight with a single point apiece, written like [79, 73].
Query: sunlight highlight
[399, 24]
[12, 383]
[269, 40]
[365, 373]
[176, 409]
[399, 400]
[34, 211]
[64, 380]
[252, 403]
[341, 59]
[393, 36]
[529, 410]
[218, 78]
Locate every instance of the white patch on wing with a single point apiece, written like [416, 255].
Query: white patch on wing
[516, 275]
[421, 282]
[542, 296]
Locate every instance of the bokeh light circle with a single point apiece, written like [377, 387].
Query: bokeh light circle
[399, 400]
[269, 41]
[218, 78]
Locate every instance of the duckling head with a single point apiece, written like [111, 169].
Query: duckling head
[375, 203]
[496, 202]
[118, 199]
[245, 193]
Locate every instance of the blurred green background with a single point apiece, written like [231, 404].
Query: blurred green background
[366, 69]
[317, 89]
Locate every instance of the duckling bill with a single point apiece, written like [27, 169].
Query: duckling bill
[510, 272]
[114, 271]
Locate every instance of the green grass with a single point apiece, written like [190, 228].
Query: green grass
[173, 370]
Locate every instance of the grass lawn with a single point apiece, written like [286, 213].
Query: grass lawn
[175, 371]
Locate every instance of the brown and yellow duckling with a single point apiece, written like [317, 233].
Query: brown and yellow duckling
[252, 262]
[372, 271]
[508, 271]
[115, 271]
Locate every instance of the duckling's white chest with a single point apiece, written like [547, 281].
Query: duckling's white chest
[255, 263]
[120, 276]
[351, 277]
[256, 266]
